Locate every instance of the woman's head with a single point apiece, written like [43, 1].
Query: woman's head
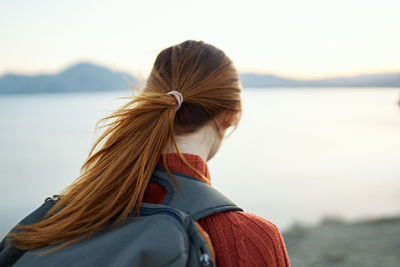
[118, 169]
[207, 80]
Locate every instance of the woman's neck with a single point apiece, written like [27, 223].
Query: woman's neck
[203, 142]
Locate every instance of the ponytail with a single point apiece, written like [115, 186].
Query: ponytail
[113, 179]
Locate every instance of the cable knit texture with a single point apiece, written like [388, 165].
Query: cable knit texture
[239, 238]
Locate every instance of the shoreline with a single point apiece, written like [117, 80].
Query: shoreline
[334, 242]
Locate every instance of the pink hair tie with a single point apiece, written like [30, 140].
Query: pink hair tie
[178, 96]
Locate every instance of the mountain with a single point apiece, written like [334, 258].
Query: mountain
[367, 80]
[82, 77]
[87, 77]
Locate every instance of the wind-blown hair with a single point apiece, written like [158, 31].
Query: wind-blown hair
[117, 171]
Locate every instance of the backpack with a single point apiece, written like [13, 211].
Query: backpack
[163, 235]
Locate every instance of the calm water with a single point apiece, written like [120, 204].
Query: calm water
[297, 156]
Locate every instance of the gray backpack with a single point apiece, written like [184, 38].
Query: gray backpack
[163, 235]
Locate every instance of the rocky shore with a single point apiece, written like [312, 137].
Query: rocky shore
[337, 243]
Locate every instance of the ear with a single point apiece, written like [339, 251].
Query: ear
[225, 120]
[228, 118]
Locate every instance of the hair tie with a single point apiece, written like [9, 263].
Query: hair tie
[178, 96]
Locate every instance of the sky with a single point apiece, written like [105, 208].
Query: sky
[298, 39]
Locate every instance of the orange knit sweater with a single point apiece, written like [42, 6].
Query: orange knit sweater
[239, 238]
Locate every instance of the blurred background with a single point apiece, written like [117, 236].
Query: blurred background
[318, 147]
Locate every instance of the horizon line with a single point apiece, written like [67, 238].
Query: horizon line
[261, 73]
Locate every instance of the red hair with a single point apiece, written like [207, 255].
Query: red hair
[120, 164]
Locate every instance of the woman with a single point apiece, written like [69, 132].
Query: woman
[178, 121]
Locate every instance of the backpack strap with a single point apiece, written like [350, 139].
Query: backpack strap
[194, 196]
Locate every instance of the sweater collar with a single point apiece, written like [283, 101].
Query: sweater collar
[175, 164]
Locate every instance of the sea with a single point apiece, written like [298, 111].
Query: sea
[298, 156]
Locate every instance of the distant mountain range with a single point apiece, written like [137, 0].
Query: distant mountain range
[366, 80]
[87, 77]
[82, 77]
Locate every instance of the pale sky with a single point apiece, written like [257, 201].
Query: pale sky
[299, 38]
